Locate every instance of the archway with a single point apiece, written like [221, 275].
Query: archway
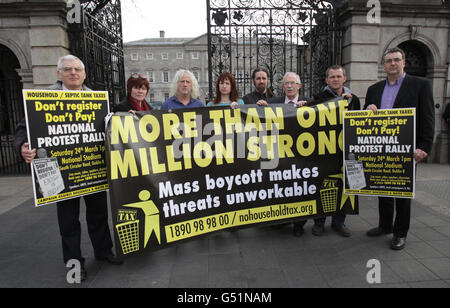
[11, 111]
[419, 60]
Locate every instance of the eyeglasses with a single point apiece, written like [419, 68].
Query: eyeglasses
[396, 60]
[136, 76]
[70, 69]
[291, 83]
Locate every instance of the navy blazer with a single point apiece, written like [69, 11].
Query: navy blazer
[415, 92]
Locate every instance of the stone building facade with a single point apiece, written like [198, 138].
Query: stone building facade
[34, 34]
[160, 58]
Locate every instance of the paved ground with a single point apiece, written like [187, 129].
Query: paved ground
[30, 253]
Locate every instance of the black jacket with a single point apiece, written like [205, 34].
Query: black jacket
[415, 92]
[446, 114]
[126, 106]
[355, 103]
[254, 97]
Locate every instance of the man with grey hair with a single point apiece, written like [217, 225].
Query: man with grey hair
[291, 87]
[184, 92]
[71, 76]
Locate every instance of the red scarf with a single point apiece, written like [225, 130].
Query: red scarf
[138, 106]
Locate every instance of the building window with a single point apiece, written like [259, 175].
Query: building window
[165, 77]
[166, 96]
[196, 75]
[150, 76]
[195, 55]
[180, 55]
[149, 56]
[134, 56]
[165, 56]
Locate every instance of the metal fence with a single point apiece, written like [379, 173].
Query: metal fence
[11, 112]
[300, 36]
[98, 42]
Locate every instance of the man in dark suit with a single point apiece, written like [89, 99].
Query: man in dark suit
[400, 90]
[291, 87]
[71, 74]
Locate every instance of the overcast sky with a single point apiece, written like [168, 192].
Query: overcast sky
[178, 18]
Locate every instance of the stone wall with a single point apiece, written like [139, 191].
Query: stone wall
[36, 32]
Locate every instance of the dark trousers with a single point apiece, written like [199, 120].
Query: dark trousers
[337, 220]
[401, 224]
[97, 225]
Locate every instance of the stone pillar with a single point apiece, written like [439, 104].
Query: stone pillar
[26, 77]
[366, 39]
[48, 40]
[361, 47]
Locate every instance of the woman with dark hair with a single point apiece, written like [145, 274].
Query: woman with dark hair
[226, 92]
[137, 89]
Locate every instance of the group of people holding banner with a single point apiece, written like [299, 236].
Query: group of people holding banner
[399, 90]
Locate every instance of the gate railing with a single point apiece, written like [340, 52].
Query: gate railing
[10, 163]
[301, 36]
[97, 40]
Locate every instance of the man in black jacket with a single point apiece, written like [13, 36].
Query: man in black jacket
[262, 91]
[335, 78]
[71, 75]
[401, 90]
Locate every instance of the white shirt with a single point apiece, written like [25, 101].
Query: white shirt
[287, 100]
[65, 89]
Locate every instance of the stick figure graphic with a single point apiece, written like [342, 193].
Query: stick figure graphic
[151, 213]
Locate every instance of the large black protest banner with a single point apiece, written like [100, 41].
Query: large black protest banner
[379, 152]
[68, 130]
[188, 172]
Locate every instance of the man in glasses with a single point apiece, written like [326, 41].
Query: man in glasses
[401, 90]
[71, 75]
[291, 87]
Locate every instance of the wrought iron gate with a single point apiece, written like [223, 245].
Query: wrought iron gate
[97, 40]
[301, 36]
[11, 113]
